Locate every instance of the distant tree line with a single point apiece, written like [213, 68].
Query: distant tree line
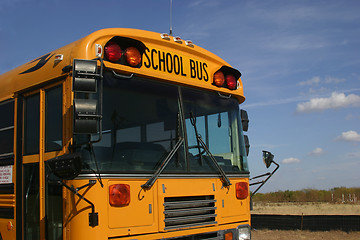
[334, 195]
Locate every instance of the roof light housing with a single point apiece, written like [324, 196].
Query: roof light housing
[227, 77]
[178, 39]
[124, 51]
[189, 43]
[165, 36]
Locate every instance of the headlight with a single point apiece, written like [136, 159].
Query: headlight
[243, 232]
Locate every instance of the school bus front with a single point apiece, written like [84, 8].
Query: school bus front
[171, 160]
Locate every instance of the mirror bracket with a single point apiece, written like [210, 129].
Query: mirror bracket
[268, 158]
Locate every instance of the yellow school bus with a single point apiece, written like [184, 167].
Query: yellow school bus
[124, 134]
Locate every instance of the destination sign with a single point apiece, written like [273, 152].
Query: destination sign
[172, 63]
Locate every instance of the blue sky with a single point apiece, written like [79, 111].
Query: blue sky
[299, 61]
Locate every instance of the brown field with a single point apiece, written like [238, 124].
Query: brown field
[308, 235]
[306, 209]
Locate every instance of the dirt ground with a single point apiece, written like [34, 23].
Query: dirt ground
[306, 209]
[308, 235]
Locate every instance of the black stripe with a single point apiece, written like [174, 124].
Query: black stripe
[7, 188]
[6, 212]
[7, 160]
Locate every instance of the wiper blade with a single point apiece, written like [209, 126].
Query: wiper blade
[193, 122]
[225, 180]
[162, 166]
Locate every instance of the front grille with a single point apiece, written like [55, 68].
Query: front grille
[185, 212]
[201, 236]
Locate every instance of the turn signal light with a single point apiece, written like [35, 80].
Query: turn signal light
[113, 52]
[119, 195]
[242, 190]
[219, 79]
[133, 56]
[229, 236]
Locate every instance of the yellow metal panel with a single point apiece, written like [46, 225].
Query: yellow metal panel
[232, 209]
[140, 211]
[196, 63]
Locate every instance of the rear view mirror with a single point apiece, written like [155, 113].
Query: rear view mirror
[268, 158]
[87, 110]
[86, 119]
[244, 120]
[67, 166]
[84, 76]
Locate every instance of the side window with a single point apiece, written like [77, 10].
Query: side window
[53, 119]
[31, 124]
[6, 132]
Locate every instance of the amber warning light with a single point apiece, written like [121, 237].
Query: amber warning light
[130, 56]
[225, 80]
[119, 195]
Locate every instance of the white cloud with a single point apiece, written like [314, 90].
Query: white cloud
[335, 101]
[317, 80]
[349, 136]
[290, 160]
[317, 152]
[310, 82]
[334, 80]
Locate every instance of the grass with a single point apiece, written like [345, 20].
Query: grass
[306, 208]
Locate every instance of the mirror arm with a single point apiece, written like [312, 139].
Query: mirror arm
[264, 181]
[100, 99]
[93, 216]
[262, 175]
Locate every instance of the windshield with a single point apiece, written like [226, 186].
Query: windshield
[143, 120]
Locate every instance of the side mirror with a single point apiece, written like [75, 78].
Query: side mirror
[87, 113]
[244, 120]
[268, 158]
[67, 166]
[86, 118]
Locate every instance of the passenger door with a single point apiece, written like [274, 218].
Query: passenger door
[42, 134]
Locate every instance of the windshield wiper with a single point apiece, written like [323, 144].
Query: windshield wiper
[225, 180]
[163, 165]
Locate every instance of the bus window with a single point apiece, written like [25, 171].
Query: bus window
[140, 127]
[53, 119]
[6, 131]
[32, 124]
[217, 122]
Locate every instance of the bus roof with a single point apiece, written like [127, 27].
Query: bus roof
[164, 58]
